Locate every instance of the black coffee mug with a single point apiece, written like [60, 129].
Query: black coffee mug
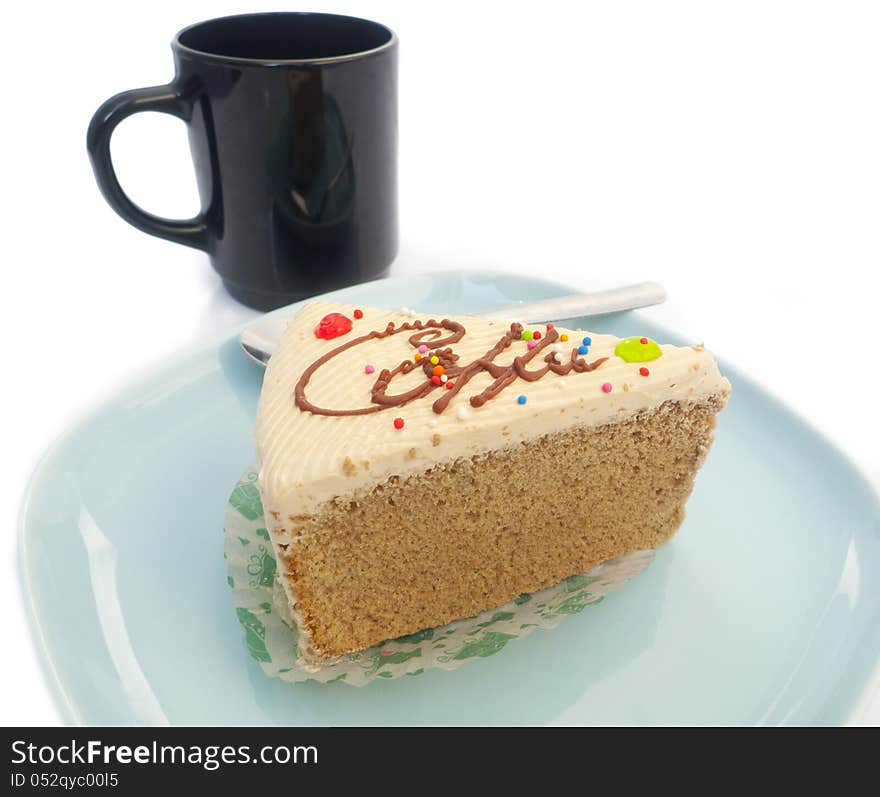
[292, 122]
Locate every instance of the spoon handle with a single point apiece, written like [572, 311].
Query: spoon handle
[627, 297]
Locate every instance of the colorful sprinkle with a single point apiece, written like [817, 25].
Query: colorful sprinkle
[637, 350]
[549, 327]
[450, 385]
[587, 341]
[606, 387]
[644, 371]
[583, 350]
[422, 349]
[527, 334]
[521, 399]
[332, 325]
[434, 360]
[531, 344]
[398, 423]
[444, 378]
[390, 325]
[536, 335]
[435, 379]
[368, 369]
[438, 370]
[563, 338]
[418, 358]
[358, 314]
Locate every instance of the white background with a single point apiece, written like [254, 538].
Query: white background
[729, 150]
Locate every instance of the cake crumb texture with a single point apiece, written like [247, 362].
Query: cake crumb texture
[469, 535]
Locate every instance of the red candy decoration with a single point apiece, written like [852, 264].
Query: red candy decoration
[643, 340]
[358, 314]
[398, 423]
[450, 385]
[549, 327]
[435, 379]
[644, 371]
[332, 326]
[536, 335]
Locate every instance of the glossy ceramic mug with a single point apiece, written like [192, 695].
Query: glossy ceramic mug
[292, 121]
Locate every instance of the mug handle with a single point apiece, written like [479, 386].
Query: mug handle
[162, 99]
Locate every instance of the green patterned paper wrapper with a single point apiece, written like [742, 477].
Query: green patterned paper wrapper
[270, 633]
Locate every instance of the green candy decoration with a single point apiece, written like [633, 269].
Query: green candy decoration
[637, 350]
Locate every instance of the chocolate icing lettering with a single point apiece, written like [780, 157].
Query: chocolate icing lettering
[430, 333]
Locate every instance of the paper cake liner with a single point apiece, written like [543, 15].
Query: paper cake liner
[270, 633]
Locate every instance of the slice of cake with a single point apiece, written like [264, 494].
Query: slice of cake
[416, 469]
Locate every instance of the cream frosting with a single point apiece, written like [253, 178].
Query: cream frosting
[306, 459]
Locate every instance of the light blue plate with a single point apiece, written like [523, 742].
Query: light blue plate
[765, 608]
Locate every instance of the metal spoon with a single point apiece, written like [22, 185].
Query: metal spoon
[260, 339]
